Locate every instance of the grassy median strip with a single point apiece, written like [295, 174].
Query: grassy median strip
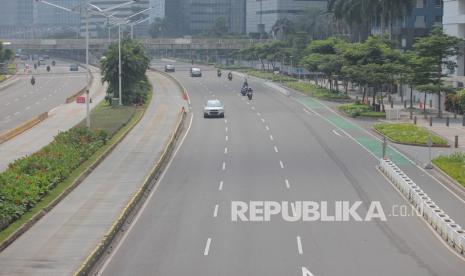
[453, 165]
[360, 110]
[405, 133]
[267, 75]
[115, 122]
[316, 91]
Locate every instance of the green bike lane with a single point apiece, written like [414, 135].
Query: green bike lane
[451, 203]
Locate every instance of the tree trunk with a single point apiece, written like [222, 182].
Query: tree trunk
[411, 97]
[424, 105]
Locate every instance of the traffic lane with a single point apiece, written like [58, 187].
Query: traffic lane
[23, 101]
[182, 260]
[361, 181]
[372, 237]
[254, 173]
[169, 231]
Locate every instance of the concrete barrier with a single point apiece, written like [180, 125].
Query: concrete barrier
[445, 226]
[73, 97]
[10, 134]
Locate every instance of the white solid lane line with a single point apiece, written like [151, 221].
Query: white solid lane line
[224, 166]
[337, 133]
[299, 245]
[281, 164]
[275, 149]
[288, 185]
[207, 247]
[215, 213]
[221, 186]
[307, 111]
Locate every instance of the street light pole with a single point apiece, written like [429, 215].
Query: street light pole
[119, 66]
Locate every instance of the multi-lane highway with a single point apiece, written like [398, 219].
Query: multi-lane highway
[22, 101]
[273, 148]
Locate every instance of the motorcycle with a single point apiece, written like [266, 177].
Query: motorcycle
[244, 91]
[218, 74]
[230, 76]
[48, 68]
[249, 94]
[33, 81]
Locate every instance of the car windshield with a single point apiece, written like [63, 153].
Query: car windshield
[195, 70]
[214, 104]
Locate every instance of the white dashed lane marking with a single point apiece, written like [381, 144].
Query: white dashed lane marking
[288, 185]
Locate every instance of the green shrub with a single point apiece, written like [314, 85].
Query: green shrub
[29, 179]
[360, 110]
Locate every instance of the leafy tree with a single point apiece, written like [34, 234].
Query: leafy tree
[323, 56]
[439, 48]
[135, 62]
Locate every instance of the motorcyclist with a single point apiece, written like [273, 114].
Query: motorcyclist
[218, 73]
[230, 76]
[33, 80]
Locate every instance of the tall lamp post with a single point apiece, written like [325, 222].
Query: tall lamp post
[121, 21]
[91, 8]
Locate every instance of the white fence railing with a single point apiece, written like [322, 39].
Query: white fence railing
[435, 216]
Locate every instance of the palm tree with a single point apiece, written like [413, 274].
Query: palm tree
[360, 13]
[282, 27]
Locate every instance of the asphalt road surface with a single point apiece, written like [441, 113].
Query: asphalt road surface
[22, 101]
[271, 149]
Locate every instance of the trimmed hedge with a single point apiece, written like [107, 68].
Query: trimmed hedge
[29, 179]
[409, 134]
[360, 110]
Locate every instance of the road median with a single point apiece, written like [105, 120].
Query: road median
[10, 134]
[17, 228]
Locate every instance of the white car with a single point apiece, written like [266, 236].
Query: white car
[196, 72]
[213, 108]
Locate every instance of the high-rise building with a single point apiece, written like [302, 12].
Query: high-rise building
[52, 21]
[98, 24]
[454, 24]
[158, 9]
[425, 15]
[16, 19]
[263, 14]
[197, 16]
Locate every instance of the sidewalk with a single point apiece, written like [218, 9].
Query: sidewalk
[61, 118]
[60, 242]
